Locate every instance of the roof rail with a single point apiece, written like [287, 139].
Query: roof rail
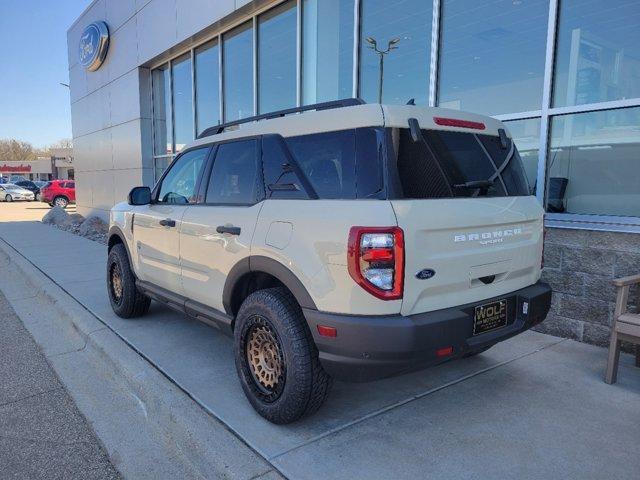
[346, 102]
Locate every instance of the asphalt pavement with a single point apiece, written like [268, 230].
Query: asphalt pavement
[42, 433]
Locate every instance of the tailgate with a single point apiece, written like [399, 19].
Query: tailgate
[478, 248]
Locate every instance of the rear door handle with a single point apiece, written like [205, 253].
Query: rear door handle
[229, 230]
[167, 222]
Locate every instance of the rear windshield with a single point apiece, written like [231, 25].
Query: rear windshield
[456, 164]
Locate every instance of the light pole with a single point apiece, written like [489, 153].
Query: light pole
[373, 45]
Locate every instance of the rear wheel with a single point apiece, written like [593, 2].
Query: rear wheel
[276, 357]
[8, 198]
[126, 300]
[61, 202]
[38, 197]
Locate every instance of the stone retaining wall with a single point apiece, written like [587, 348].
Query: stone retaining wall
[579, 265]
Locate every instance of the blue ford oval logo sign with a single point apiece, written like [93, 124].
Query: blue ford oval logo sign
[425, 274]
[94, 43]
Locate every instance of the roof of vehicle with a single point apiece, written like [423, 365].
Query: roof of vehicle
[358, 116]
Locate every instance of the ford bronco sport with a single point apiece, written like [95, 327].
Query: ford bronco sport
[339, 240]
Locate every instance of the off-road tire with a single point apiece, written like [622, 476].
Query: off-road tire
[305, 385]
[61, 201]
[131, 302]
[8, 198]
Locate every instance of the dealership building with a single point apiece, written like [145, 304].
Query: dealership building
[147, 76]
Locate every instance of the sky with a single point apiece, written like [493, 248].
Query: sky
[34, 107]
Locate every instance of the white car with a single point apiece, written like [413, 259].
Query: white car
[10, 192]
[354, 242]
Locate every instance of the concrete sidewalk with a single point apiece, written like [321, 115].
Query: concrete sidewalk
[532, 407]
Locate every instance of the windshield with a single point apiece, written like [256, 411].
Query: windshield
[11, 186]
[452, 164]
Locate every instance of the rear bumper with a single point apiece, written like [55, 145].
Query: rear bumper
[373, 347]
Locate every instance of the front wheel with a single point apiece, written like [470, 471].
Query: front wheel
[8, 198]
[277, 359]
[61, 202]
[126, 300]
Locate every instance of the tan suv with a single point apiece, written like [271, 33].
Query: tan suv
[339, 240]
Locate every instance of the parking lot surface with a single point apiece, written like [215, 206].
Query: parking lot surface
[26, 211]
[42, 433]
[534, 406]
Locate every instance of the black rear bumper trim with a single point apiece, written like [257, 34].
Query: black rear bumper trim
[373, 347]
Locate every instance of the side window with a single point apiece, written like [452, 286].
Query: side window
[279, 179]
[328, 161]
[71, 185]
[180, 182]
[234, 176]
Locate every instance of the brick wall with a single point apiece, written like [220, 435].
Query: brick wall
[579, 266]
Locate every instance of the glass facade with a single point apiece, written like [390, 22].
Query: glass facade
[327, 50]
[492, 55]
[564, 76]
[594, 163]
[406, 68]
[207, 83]
[182, 102]
[597, 51]
[277, 58]
[162, 125]
[237, 55]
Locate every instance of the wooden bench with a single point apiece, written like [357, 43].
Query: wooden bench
[626, 326]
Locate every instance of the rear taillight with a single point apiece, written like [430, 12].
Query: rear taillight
[376, 260]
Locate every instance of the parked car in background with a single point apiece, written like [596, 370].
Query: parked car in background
[10, 192]
[59, 193]
[31, 186]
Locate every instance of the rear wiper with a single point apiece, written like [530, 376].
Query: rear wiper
[481, 184]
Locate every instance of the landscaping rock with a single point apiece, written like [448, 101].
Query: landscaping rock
[94, 228]
[75, 219]
[56, 216]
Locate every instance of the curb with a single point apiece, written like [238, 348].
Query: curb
[149, 426]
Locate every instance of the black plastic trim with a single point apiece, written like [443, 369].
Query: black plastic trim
[258, 263]
[370, 347]
[194, 309]
[117, 232]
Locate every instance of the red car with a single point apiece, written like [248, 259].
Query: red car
[59, 193]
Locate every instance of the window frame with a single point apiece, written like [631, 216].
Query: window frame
[155, 192]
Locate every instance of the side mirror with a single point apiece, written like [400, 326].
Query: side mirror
[140, 196]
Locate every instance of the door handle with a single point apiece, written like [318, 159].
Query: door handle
[229, 230]
[168, 222]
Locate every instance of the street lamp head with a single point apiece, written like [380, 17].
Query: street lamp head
[392, 43]
[372, 41]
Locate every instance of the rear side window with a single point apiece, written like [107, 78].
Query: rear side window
[280, 178]
[234, 177]
[344, 164]
[456, 164]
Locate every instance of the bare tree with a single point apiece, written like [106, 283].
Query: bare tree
[62, 143]
[12, 149]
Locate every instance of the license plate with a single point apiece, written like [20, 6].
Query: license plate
[490, 316]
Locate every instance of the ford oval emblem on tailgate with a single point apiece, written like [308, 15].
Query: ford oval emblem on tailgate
[425, 274]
